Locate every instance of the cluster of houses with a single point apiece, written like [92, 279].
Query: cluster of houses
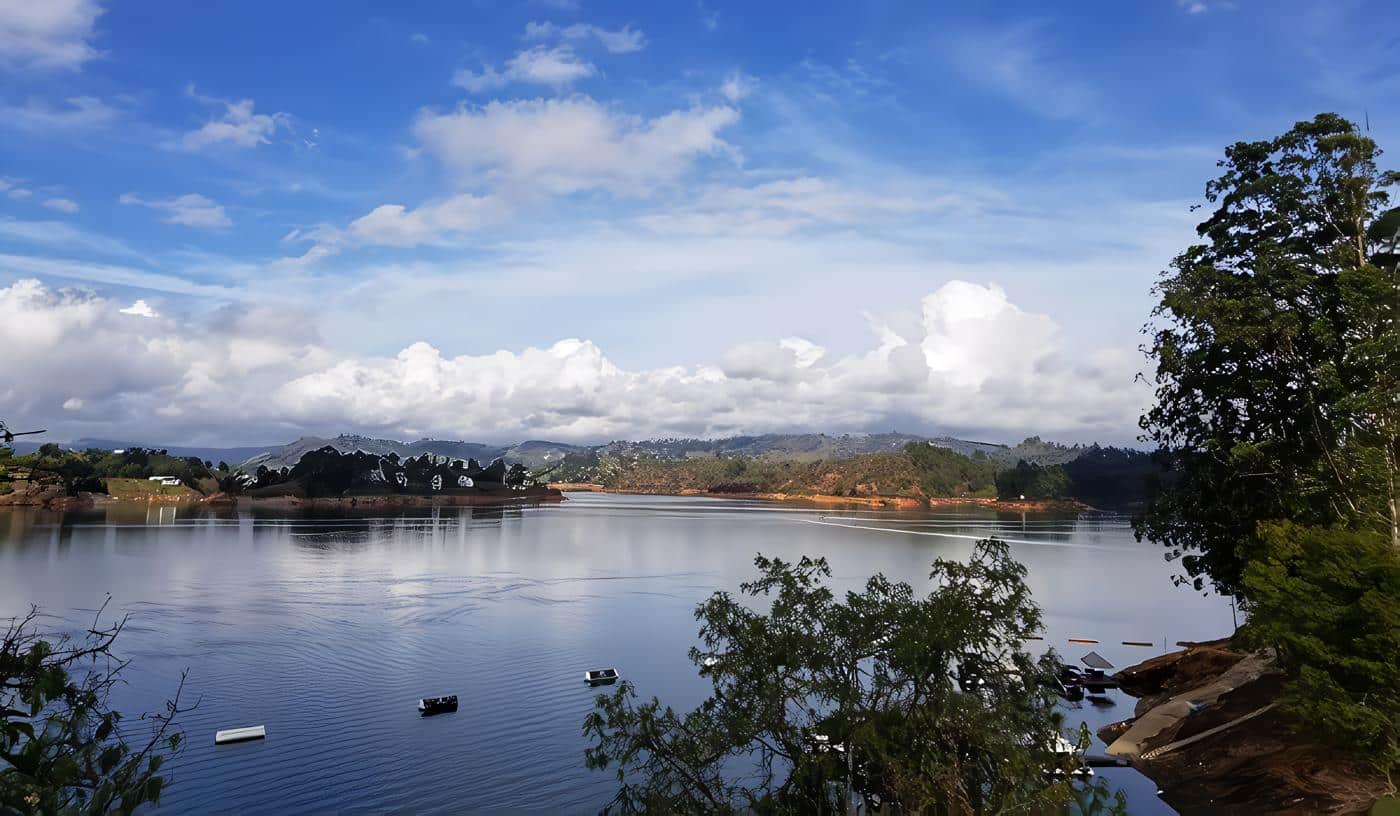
[328, 472]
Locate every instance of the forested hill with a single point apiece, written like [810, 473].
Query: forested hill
[1110, 478]
[540, 454]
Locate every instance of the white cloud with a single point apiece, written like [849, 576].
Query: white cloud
[785, 206]
[63, 205]
[248, 372]
[47, 34]
[239, 126]
[556, 67]
[396, 225]
[523, 150]
[140, 309]
[72, 352]
[191, 210]
[624, 40]
[736, 86]
[111, 274]
[19, 193]
[418, 38]
[566, 145]
[78, 113]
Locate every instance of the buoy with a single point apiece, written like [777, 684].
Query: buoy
[252, 732]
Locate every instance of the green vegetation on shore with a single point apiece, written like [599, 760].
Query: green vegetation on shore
[1106, 477]
[87, 471]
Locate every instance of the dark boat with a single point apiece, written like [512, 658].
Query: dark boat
[437, 705]
[598, 677]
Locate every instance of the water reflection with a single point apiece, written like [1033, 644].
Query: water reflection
[327, 627]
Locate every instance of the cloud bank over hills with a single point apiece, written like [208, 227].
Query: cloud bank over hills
[79, 363]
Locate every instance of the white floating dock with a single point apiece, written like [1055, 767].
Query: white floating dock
[252, 732]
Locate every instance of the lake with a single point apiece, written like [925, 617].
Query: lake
[328, 629]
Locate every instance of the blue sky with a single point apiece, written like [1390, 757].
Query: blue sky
[587, 221]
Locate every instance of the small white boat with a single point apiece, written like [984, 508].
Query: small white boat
[252, 732]
[598, 677]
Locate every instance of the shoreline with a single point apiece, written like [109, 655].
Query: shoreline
[873, 502]
[1208, 731]
[50, 499]
[55, 500]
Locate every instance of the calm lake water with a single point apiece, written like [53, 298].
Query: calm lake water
[327, 630]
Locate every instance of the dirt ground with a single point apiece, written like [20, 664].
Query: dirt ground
[1207, 730]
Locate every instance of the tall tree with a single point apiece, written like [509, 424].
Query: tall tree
[821, 696]
[1275, 339]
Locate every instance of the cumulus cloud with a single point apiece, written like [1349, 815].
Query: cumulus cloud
[139, 309]
[74, 355]
[566, 145]
[191, 210]
[557, 67]
[521, 151]
[624, 40]
[47, 35]
[976, 363]
[238, 126]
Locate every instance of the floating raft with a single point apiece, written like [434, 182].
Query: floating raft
[598, 677]
[252, 732]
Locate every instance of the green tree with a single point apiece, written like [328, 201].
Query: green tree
[945, 472]
[62, 749]
[821, 695]
[1275, 342]
[1033, 482]
[1327, 600]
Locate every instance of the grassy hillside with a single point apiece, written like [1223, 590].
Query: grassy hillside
[142, 488]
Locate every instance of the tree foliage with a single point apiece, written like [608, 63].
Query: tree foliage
[62, 749]
[1278, 370]
[820, 692]
[1327, 600]
[1278, 411]
[945, 472]
[83, 471]
[1033, 482]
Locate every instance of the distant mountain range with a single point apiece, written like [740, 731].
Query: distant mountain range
[540, 454]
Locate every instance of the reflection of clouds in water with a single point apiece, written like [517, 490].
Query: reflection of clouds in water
[309, 623]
